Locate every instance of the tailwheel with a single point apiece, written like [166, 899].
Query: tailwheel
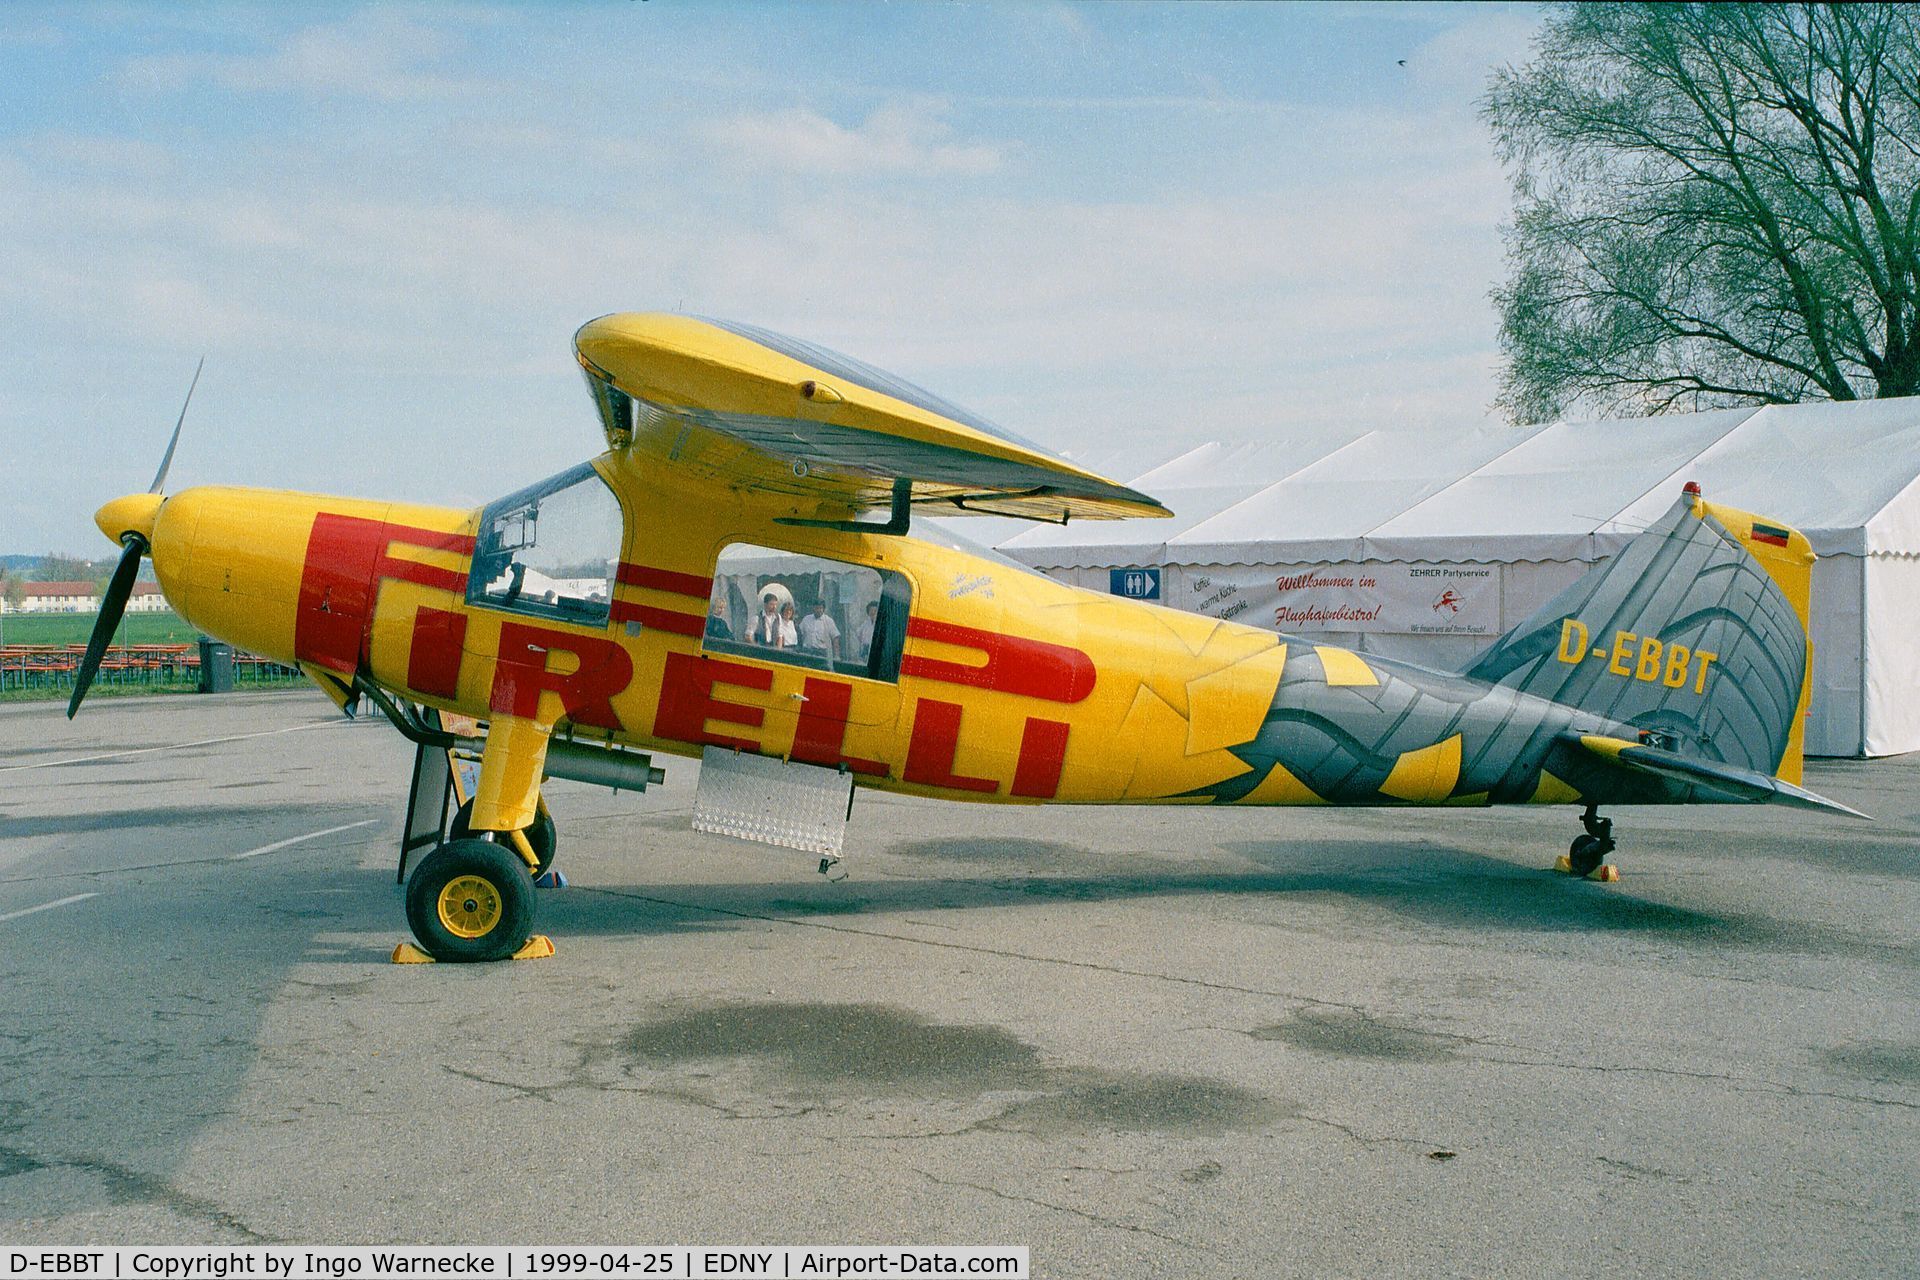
[542, 835]
[1585, 855]
[1587, 852]
[470, 900]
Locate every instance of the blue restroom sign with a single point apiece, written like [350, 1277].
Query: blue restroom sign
[1134, 584]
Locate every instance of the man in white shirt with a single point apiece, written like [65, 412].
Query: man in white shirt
[863, 634]
[819, 634]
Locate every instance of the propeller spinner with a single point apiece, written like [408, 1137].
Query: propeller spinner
[129, 521]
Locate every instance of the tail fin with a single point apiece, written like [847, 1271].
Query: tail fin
[1696, 634]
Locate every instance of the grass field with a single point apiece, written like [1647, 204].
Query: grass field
[135, 628]
[105, 689]
[73, 628]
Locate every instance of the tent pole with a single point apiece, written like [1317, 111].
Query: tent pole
[1863, 651]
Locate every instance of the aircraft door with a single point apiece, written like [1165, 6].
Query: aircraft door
[812, 646]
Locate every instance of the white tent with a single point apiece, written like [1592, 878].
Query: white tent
[1426, 545]
[1194, 485]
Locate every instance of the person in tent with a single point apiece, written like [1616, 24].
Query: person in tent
[766, 624]
[819, 634]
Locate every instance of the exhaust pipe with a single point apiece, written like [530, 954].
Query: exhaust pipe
[602, 766]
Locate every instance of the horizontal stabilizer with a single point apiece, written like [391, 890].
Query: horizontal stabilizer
[1732, 782]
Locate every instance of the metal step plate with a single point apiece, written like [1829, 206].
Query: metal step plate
[795, 806]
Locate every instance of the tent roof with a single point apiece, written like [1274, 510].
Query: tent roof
[1846, 474]
[1547, 496]
[1195, 485]
[1322, 511]
[1841, 473]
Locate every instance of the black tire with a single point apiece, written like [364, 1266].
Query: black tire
[542, 835]
[470, 900]
[1586, 854]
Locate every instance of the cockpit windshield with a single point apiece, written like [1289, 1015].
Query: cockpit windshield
[551, 549]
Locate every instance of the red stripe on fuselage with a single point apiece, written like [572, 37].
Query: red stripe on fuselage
[669, 620]
[425, 575]
[679, 584]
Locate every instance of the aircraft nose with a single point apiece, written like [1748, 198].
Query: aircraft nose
[230, 561]
[134, 513]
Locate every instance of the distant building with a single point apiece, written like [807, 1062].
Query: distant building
[81, 597]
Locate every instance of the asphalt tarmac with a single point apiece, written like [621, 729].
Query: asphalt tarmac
[1143, 1042]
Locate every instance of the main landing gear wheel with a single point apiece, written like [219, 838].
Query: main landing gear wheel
[1587, 852]
[470, 900]
[542, 835]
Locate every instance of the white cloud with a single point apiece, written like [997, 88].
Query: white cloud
[1203, 300]
[77, 153]
[895, 138]
[407, 297]
[18, 31]
[371, 54]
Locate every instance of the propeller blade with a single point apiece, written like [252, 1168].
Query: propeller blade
[112, 605]
[160, 476]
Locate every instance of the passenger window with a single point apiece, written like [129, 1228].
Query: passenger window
[551, 549]
[786, 606]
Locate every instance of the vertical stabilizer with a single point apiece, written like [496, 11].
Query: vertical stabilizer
[1696, 634]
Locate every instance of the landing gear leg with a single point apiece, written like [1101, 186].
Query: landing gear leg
[542, 837]
[1587, 852]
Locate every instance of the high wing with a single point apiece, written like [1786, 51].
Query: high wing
[755, 410]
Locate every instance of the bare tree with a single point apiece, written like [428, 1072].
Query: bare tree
[1715, 204]
[54, 567]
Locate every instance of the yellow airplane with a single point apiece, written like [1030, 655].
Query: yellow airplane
[721, 582]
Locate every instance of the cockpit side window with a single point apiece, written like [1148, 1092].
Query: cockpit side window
[808, 611]
[551, 550]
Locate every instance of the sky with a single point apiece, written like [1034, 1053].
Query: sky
[1117, 229]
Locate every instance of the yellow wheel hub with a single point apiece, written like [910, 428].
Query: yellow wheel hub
[470, 906]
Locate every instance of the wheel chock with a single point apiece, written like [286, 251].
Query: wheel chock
[1605, 873]
[552, 878]
[538, 947]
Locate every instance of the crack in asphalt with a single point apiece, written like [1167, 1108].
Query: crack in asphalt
[544, 1092]
[1746, 1084]
[131, 1186]
[539, 1092]
[1082, 1214]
